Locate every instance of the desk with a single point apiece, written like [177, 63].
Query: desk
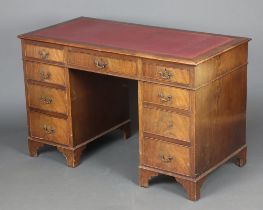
[191, 94]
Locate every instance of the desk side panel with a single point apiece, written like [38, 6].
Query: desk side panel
[220, 118]
[221, 65]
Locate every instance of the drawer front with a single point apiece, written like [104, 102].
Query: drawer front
[167, 124]
[166, 156]
[166, 73]
[45, 73]
[44, 53]
[166, 96]
[103, 63]
[46, 98]
[48, 128]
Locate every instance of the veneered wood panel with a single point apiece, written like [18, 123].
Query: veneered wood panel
[221, 64]
[140, 118]
[166, 156]
[98, 103]
[220, 127]
[166, 96]
[166, 72]
[42, 52]
[166, 123]
[102, 62]
[45, 73]
[46, 98]
[48, 128]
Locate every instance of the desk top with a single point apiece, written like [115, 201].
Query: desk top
[133, 39]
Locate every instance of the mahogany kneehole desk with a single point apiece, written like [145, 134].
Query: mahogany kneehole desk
[191, 94]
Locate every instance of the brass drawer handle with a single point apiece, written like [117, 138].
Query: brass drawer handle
[44, 76]
[48, 129]
[43, 54]
[164, 99]
[165, 74]
[100, 64]
[166, 158]
[46, 100]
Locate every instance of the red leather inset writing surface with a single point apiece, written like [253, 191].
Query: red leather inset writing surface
[170, 42]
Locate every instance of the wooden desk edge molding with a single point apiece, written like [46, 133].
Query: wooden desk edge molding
[191, 94]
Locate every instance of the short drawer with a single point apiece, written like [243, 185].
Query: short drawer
[44, 53]
[166, 96]
[102, 62]
[46, 98]
[48, 128]
[167, 124]
[166, 156]
[45, 73]
[166, 72]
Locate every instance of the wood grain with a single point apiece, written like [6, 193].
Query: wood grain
[46, 98]
[33, 147]
[42, 52]
[221, 64]
[48, 128]
[102, 62]
[192, 187]
[166, 123]
[160, 71]
[220, 119]
[45, 73]
[145, 177]
[72, 155]
[166, 96]
[166, 156]
[98, 103]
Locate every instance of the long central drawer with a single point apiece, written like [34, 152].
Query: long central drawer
[102, 62]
